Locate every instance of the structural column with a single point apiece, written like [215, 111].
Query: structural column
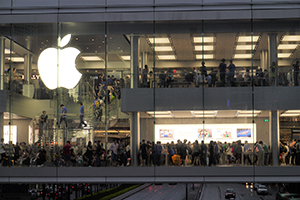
[145, 59]
[2, 59]
[27, 68]
[264, 60]
[135, 116]
[274, 136]
[272, 50]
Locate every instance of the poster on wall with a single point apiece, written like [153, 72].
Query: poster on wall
[204, 133]
[224, 133]
[243, 132]
[13, 132]
[208, 132]
[166, 133]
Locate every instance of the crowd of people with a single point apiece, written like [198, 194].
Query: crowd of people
[215, 153]
[226, 75]
[93, 155]
[182, 153]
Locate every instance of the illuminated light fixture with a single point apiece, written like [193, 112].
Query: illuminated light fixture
[248, 38]
[204, 39]
[289, 38]
[15, 59]
[125, 57]
[166, 57]
[169, 48]
[289, 115]
[245, 47]
[159, 40]
[8, 51]
[292, 111]
[249, 111]
[159, 112]
[91, 58]
[205, 56]
[242, 56]
[163, 116]
[246, 115]
[50, 66]
[208, 112]
[284, 55]
[287, 46]
[204, 48]
[205, 116]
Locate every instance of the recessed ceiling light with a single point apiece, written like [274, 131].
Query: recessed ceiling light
[15, 59]
[289, 115]
[249, 111]
[242, 56]
[204, 56]
[284, 55]
[246, 115]
[203, 39]
[166, 57]
[291, 38]
[91, 58]
[248, 38]
[292, 111]
[159, 113]
[125, 57]
[159, 40]
[287, 46]
[204, 48]
[245, 47]
[168, 48]
[205, 116]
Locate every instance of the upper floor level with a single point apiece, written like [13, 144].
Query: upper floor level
[19, 11]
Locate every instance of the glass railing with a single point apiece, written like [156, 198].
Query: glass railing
[219, 79]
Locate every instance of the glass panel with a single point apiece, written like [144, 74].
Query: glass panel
[82, 54]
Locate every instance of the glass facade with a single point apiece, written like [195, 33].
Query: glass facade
[194, 90]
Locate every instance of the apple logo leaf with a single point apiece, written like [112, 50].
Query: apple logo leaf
[65, 40]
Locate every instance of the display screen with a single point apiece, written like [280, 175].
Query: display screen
[216, 132]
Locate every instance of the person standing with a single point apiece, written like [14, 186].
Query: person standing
[114, 152]
[222, 68]
[81, 115]
[296, 73]
[273, 74]
[63, 115]
[43, 124]
[157, 150]
[231, 68]
[97, 108]
[67, 153]
[145, 76]
[2, 151]
[144, 152]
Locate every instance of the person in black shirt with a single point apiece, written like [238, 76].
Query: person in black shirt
[222, 68]
[43, 124]
[144, 152]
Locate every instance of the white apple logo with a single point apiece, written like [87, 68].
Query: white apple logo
[53, 63]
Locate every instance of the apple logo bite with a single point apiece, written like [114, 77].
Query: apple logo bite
[53, 63]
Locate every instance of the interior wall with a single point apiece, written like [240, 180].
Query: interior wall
[262, 128]
[22, 129]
